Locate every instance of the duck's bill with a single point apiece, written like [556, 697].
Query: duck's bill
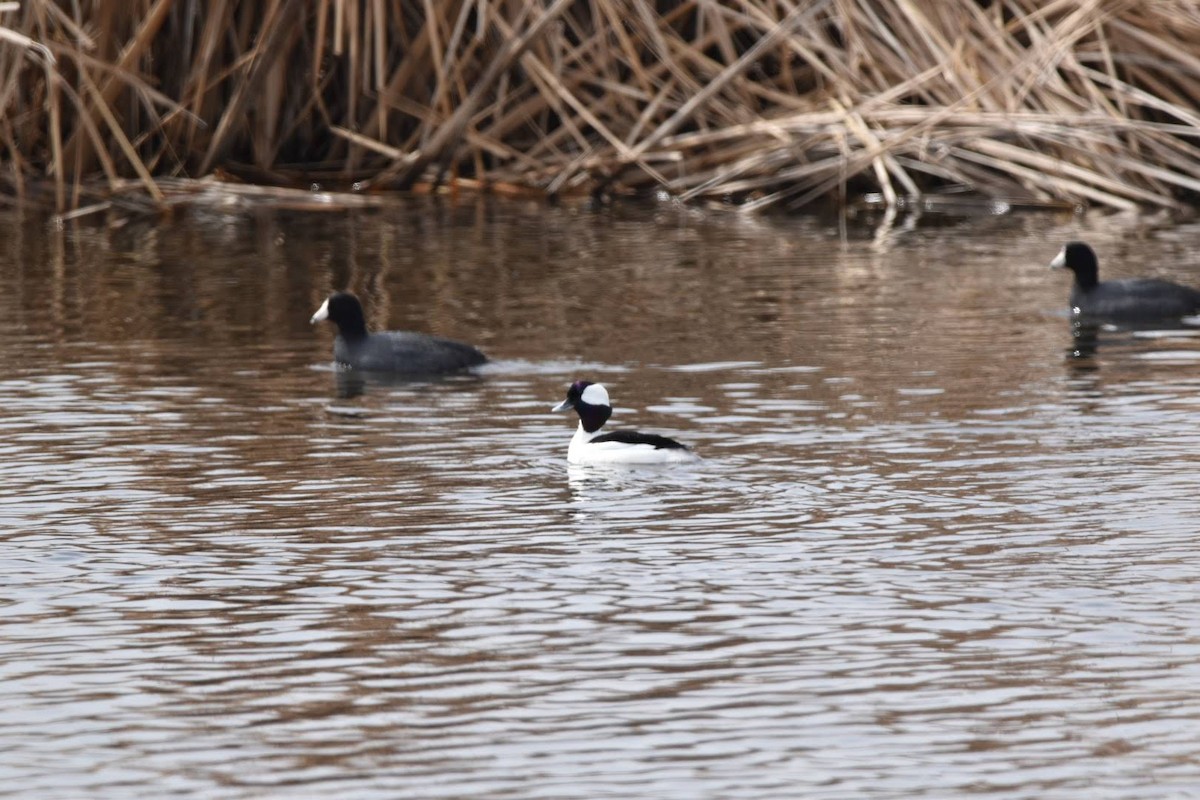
[321, 315]
[565, 405]
[1060, 260]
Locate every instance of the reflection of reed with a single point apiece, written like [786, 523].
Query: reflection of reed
[765, 103]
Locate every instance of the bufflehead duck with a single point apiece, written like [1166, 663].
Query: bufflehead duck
[390, 351]
[590, 446]
[1129, 299]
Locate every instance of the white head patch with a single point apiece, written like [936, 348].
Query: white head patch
[595, 395]
[1060, 260]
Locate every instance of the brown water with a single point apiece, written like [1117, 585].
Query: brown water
[938, 546]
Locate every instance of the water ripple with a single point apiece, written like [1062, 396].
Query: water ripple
[933, 548]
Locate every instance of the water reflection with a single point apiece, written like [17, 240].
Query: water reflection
[926, 553]
[351, 383]
[1102, 351]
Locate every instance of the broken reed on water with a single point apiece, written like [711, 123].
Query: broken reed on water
[764, 103]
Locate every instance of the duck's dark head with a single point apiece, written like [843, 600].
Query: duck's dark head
[344, 311]
[590, 401]
[1080, 259]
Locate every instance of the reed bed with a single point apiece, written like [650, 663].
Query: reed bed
[757, 103]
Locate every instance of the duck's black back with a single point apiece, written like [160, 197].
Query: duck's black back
[637, 437]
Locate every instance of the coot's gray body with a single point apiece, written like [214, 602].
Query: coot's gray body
[400, 352]
[1125, 300]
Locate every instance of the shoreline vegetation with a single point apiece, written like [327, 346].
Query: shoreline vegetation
[144, 105]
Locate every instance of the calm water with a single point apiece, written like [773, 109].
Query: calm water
[938, 546]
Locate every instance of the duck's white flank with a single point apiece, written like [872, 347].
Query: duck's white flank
[583, 451]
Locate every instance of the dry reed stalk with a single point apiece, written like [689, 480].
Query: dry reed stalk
[768, 102]
[130, 54]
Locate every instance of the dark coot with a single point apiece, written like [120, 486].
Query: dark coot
[1130, 299]
[401, 352]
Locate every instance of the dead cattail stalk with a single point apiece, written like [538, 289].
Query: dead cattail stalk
[770, 103]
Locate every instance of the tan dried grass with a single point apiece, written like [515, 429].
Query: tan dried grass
[768, 103]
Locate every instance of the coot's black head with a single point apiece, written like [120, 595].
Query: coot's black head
[590, 401]
[344, 311]
[1080, 259]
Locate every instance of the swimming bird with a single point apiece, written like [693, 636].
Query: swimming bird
[402, 352]
[1129, 300]
[590, 446]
